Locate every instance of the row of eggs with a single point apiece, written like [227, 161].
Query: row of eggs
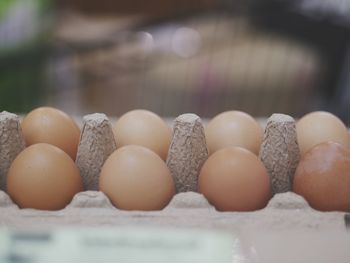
[135, 176]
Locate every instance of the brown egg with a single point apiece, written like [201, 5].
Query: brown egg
[52, 126]
[233, 128]
[323, 177]
[234, 179]
[43, 177]
[320, 126]
[136, 178]
[145, 128]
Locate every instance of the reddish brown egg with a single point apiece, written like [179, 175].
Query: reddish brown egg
[136, 178]
[234, 179]
[43, 177]
[144, 128]
[52, 126]
[323, 177]
[320, 126]
[233, 128]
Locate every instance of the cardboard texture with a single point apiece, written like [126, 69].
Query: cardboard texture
[187, 209]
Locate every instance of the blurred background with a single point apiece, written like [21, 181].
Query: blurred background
[176, 56]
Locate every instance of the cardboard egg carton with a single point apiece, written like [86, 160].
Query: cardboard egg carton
[279, 152]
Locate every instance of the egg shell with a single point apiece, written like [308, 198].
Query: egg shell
[233, 128]
[186, 210]
[136, 178]
[52, 126]
[144, 128]
[234, 179]
[43, 177]
[320, 126]
[323, 177]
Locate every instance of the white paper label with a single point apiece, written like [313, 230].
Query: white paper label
[115, 245]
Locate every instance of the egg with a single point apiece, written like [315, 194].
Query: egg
[144, 128]
[323, 177]
[43, 177]
[233, 128]
[136, 178]
[52, 126]
[320, 126]
[234, 179]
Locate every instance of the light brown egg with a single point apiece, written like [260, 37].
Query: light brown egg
[43, 177]
[234, 179]
[233, 128]
[52, 126]
[136, 178]
[323, 177]
[145, 128]
[320, 126]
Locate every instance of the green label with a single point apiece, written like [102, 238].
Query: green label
[115, 245]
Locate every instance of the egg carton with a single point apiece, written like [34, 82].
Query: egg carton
[188, 151]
